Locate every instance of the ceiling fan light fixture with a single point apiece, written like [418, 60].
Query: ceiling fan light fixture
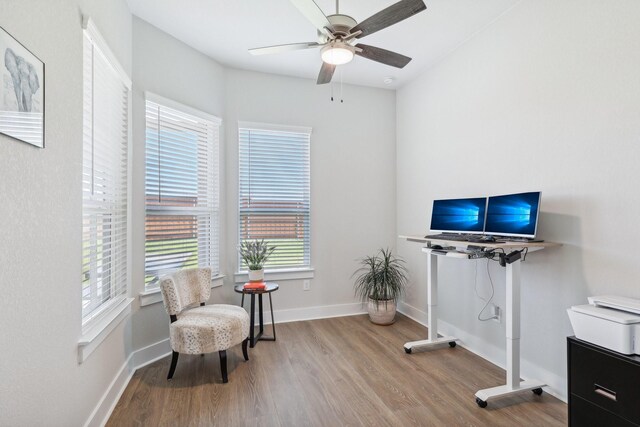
[335, 54]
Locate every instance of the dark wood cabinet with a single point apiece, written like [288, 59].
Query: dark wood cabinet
[604, 386]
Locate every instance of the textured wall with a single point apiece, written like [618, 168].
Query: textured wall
[40, 235]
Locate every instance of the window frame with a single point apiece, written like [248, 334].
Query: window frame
[150, 295]
[100, 322]
[290, 272]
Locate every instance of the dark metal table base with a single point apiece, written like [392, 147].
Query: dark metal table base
[253, 337]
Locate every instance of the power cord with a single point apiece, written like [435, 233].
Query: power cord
[502, 260]
[487, 302]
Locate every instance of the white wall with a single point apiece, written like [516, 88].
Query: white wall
[352, 142]
[40, 231]
[352, 175]
[547, 98]
[169, 68]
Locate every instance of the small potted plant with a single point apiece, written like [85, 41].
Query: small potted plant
[380, 281]
[254, 254]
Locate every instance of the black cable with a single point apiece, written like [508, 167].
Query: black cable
[492, 253]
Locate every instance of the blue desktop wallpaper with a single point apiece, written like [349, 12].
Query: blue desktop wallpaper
[513, 214]
[458, 215]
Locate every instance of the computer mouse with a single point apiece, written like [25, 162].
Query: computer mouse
[436, 247]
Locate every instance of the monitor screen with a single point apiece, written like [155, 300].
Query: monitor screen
[458, 215]
[513, 214]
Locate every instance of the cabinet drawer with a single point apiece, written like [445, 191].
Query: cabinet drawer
[605, 380]
[585, 414]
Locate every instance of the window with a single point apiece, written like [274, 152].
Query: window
[106, 93]
[182, 189]
[274, 194]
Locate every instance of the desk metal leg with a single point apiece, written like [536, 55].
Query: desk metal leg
[512, 317]
[432, 303]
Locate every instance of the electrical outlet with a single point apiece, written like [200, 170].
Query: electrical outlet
[306, 285]
[497, 312]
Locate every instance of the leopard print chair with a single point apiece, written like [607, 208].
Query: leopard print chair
[200, 329]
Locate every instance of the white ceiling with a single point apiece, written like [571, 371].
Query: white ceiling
[225, 29]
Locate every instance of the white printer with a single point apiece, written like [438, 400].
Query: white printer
[608, 321]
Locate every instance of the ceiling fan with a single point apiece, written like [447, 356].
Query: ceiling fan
[338, 33]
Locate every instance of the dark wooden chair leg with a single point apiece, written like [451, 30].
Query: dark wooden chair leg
[174, 362]
[223, 365]
[244, 348]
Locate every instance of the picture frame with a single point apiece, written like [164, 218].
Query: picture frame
[22, 86]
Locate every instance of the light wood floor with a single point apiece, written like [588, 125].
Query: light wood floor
[331, 372]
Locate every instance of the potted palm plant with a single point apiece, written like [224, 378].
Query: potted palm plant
[254, 254]
[380, 280]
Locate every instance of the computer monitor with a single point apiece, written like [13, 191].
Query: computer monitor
[458, 215]
[513, 215]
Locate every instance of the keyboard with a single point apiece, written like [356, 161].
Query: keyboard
[479, 238]
[451, 237]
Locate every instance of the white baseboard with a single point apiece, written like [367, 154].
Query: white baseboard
[317, 312]
[135, 361]
[160, 349]
[149, 354]
[107, 403]
[557, 386]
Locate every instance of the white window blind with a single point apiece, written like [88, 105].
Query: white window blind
[106, 91]
[182, 189]
[274, 192]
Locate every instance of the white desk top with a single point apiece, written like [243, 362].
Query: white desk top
[508, 245]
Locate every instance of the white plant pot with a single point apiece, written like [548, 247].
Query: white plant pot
[382, 312]
[256, 275]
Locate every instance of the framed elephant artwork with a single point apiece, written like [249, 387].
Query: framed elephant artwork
[21, 92]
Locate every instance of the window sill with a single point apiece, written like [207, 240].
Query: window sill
[94, 335]
[280, 275]
[153, 296]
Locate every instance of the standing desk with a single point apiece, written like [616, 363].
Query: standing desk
[512, 314]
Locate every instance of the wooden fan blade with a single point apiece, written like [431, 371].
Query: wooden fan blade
[326, 73]
[282, 48]
[392, 15]
[382, 55]
[314, 14]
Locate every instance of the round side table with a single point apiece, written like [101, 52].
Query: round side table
[270, 287]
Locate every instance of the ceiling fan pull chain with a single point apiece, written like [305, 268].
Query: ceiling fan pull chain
[331, 84]
[341, 99]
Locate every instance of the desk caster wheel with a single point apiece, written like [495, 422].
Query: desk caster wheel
[407, 350]
[481, 403]
[452, 344]
[537, 391]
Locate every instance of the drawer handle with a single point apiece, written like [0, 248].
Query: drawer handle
[605, 392]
